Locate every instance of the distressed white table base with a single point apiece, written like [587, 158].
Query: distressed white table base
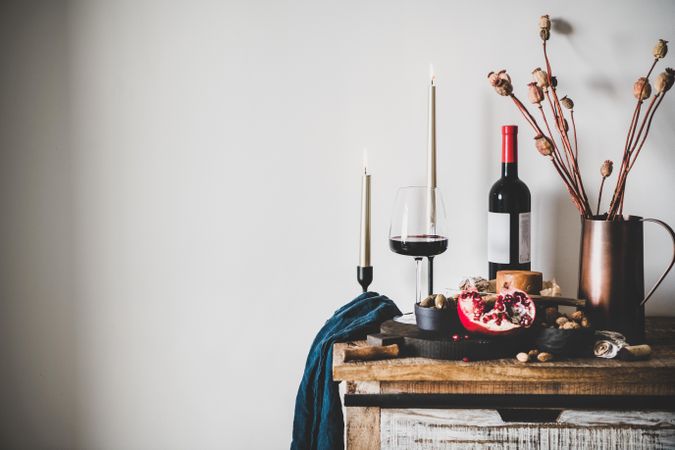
[427, 429]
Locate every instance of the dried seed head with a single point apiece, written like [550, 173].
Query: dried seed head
[543, 145]
[554, 81]
[544, 34]
[541, 77]
[534, 93]
[660, 49]
[545, 22]
[504, 88]
[493, 78]
[606, 168]
[642, 89]
[567, 102]
[664, 80]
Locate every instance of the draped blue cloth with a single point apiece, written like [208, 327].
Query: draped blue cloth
[318, 422]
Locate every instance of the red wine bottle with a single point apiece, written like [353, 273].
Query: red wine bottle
[509, 212]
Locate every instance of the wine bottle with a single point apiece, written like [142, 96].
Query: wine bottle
[509, 212]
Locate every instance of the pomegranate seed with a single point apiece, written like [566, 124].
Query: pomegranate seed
[466, 337]
[465, 359]
[455, 337]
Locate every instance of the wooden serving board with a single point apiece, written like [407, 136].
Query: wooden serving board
[438, 346]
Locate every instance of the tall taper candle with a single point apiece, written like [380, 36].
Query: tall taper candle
[431, 154]
[364, 254]
[431, 142]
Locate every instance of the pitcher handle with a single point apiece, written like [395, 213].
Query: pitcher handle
[672, 261]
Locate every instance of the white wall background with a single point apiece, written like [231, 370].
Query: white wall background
[180, 190]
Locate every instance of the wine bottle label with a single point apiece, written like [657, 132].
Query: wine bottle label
[499, 231]
[499, 238]
[524, 238]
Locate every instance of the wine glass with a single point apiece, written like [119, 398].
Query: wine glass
[418, 228]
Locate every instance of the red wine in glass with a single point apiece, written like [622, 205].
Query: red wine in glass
[418, 229]
[419, 245]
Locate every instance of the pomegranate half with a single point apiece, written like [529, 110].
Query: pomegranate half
[512, 310]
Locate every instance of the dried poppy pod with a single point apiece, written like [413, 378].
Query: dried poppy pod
[541, 77]
[501, 81]
[543, 145]
[544, 34]
[642, 89]
[567, 102]
[534, 93]
[505, 88]
[606, 168]
[660, 49]
[497, 78]
[565, 125]
[545, 22]
[664, 80]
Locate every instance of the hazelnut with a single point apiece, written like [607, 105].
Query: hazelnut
[533, 353]
[441, 302]
[427, 301]
[570, 325]
[562, 320]
[544, 357]
[585, 323]
[551, 313]
[522, 357]
[577, 315]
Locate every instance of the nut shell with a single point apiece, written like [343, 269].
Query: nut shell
[440, 301]
[544, 357]
[427, 301]
[551, 313]
[561, 321]
[523, 357]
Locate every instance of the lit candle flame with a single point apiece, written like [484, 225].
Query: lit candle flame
[365, 160]
[432, 75]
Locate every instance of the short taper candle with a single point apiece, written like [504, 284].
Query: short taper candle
[364, 253]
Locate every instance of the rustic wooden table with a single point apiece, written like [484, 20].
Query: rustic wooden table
[418, 403]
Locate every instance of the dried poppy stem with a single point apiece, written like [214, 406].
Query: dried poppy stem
[537, 129]
[618, 195]
[569, 165]
[574, 127]
[566, 143]
[602, 185]
[656, 101]
[626, 164]
[644, 138]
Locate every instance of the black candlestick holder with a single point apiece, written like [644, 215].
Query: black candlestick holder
[430, 285]
[364, 275]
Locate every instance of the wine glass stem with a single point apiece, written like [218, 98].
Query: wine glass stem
[431, 275]
[418, 280]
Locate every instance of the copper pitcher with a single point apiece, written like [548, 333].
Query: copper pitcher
[611, 273]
